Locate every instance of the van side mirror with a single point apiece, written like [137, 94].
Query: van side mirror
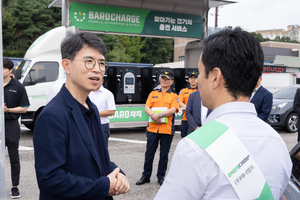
[18, 73]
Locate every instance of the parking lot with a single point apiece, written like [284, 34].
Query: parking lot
[127, 149]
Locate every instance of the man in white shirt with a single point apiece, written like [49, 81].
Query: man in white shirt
[105, 102]
[54, 89]
[229, 68]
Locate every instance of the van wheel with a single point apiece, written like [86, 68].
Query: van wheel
[291, 123]
[29, 126]
[36, 118]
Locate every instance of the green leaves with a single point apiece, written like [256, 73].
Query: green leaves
[31, 19]
[158, 50]
[25, 20]
[8, 26]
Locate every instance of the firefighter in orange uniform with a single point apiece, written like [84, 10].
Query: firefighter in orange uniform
[183, 99]
[161, 106]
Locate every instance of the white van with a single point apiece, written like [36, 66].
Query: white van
[41, 67]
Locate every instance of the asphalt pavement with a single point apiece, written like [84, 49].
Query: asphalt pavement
[127, 149]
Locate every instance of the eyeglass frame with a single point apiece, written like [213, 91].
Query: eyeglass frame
[90, 58]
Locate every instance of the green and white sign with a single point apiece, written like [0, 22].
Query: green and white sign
[127, 114]
[135, 21]
[233, 158]
[130, 114]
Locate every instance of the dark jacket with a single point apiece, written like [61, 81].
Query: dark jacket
[66, 162]
[296, 105]
[193, 111]
[263, 101]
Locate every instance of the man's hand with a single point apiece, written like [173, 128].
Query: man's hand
[5, 108]
[155, 118]
[122, 185]
[113, 182]
[118, 183]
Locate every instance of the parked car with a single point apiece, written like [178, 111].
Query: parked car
[282, 114]
[292, 191]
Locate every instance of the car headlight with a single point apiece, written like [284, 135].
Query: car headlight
[278, 106]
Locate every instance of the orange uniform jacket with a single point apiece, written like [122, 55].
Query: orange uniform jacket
[169, 100]
[184, 97]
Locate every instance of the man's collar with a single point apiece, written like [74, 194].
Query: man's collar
[257, 88]
[169, 90]
[194, 87]
[231, 107]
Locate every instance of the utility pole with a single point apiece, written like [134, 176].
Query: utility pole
[216, 17]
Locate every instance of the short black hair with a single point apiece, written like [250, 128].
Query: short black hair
[73, 43]
[238, 55]
[7, 63]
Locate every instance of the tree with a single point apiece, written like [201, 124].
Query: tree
[123, 48]
[33, 18]
[109, 40]
[277, 38]
[9, 31]
[133, 46]
[259, 37]
[119, 55]
[285, 39]
[157, 50]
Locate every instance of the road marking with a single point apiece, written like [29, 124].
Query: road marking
[178, 132]
[111, 139]
[127, 140]
[22, 148]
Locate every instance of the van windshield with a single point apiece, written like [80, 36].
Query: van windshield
[24, 65]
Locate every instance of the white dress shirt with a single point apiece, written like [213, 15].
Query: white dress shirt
[104, 100]
[54, 89]
[195, 175]
[203, 113]
[253, 93]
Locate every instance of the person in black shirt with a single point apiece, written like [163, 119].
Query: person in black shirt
[15, 103]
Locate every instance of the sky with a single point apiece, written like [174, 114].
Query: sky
[254, 15]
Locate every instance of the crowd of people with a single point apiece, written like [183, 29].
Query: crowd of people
[223, 130]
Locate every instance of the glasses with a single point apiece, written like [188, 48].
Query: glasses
[90, 63]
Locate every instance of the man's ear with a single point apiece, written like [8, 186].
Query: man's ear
[217, 77]
[66, 63]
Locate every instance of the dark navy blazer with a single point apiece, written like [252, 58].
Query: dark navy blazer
[263, 101]
[66, 161]
[193, 111]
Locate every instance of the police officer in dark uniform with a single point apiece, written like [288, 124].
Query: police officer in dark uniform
[15, 103]
[161, 106]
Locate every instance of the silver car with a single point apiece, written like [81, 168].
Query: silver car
[282, 114]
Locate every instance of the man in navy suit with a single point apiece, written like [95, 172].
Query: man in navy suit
[71, 156]
[262, 100]
[196, 113]
[296, 107]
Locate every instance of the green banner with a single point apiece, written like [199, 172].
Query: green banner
[136, 21]
[129, 114]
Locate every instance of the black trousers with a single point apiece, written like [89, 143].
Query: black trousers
[165, 141]
[12, 136]
[184, 128]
